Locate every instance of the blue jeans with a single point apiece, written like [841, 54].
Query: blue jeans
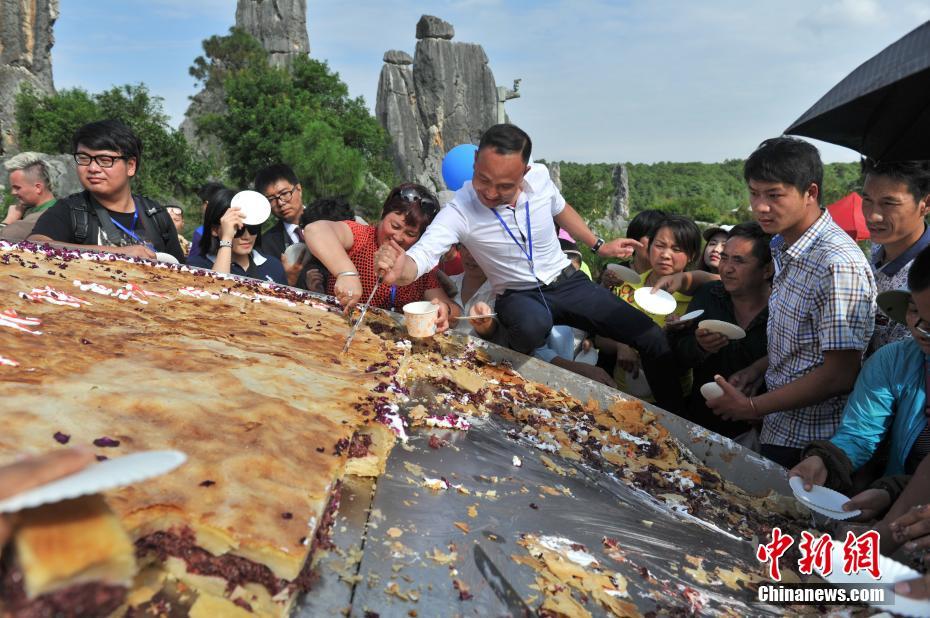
[579, 302]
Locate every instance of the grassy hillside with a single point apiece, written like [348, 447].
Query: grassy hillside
[708, 192]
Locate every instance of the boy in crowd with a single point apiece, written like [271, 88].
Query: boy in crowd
[821, 310]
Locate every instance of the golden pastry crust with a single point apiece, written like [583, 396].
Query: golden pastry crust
[257, 393]
[73, 542]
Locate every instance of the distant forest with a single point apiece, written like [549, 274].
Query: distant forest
[707, 192]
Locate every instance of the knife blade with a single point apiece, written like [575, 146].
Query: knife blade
[501, 587]
[361, 317]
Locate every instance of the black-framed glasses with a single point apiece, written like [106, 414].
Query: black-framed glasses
[428, 203]
[253, 230]
[282, 196]
[83, 159]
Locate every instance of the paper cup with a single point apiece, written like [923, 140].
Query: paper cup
[711, 390]
[420, 318]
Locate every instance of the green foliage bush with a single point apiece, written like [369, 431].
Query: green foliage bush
[707, 192]
[169, 166]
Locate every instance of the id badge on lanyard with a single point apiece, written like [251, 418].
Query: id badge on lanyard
[527, 250]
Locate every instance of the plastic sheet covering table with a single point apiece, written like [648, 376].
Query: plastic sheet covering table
[412, 530]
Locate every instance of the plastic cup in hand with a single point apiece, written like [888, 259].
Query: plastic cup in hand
[420, 318]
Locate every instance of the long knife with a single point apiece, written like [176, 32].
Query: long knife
[501, 587]
[361, 317]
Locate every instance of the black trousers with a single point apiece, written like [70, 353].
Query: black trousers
[579, 302]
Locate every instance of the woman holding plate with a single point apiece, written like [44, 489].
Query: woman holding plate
[231, 230]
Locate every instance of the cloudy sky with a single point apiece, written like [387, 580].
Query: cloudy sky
[634, 80]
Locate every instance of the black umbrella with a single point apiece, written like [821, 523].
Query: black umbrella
[882, 109]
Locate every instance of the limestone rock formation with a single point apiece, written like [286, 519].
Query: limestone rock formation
[395, 56]
[619, 215]
[555, 174]
[279, 25]
[25, 56]
[447, 97]
[431, 27]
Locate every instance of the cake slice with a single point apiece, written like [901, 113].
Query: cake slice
[72, 558]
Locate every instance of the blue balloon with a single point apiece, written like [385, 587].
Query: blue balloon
[458, 166]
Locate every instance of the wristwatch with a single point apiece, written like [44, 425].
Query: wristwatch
[597, 244]
[226, 243]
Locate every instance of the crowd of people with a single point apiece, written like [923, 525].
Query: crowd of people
[822, 383]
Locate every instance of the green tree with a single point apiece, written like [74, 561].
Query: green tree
[169, 167]
[302, 115]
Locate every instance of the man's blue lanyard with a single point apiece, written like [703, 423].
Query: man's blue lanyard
[135, 218]
[528, 250]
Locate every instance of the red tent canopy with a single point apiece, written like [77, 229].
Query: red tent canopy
[847, 213]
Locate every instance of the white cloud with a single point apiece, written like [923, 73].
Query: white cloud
[846, 13]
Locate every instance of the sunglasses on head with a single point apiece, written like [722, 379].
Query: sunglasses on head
[428, 203]
[253, 230]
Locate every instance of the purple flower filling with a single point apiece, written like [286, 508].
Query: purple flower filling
[61, 438]
[106, 442]
[102, 457]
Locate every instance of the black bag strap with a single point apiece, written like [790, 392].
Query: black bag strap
[154, 214]
[79, 207]
[104, 221]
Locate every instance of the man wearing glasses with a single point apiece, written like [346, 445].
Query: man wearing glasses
[280, 185]
[106, 216]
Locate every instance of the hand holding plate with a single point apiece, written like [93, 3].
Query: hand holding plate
[812, 471]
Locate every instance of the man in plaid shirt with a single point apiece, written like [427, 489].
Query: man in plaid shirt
[821, 311]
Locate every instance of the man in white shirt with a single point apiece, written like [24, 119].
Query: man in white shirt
[504, 217]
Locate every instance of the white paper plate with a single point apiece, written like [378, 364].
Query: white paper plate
[892, 572]
[166, 257]
[711, 390]
[255, 207]
[98, 477]
[822, 499]
[732, 331]
[691, 315]
[660, 303]
[624, 273]
[297, 251]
